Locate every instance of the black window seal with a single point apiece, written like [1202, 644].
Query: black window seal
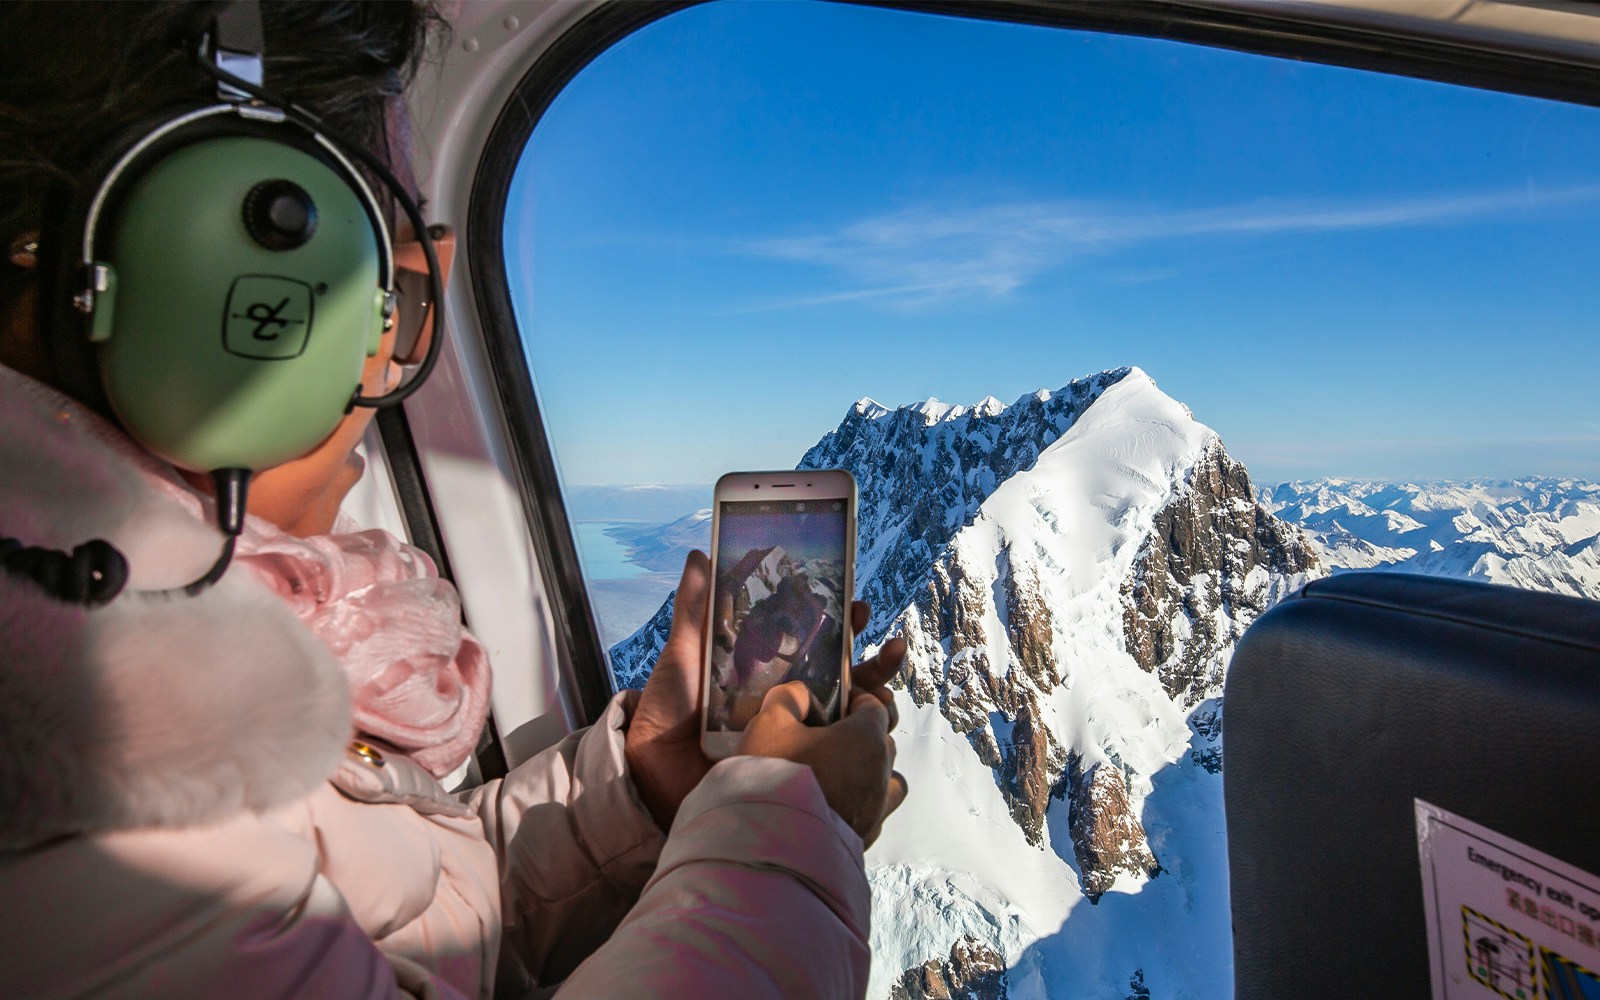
[582, 656]
[1266, 31]
[422, 524]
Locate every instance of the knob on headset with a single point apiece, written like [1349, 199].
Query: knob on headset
[280, 215]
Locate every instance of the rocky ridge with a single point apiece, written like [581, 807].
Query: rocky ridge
[1214, 561]
[633, 657]
[922, 472]
[1107, 836]
[974, 971]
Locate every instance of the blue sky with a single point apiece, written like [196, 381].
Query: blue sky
[746, 216]
[803, 536]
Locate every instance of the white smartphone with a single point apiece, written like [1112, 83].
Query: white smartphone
[783, 553]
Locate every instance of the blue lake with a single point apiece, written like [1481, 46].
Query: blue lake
[604, 558]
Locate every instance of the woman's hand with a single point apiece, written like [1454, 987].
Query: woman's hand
[663, 740]
[853, 759]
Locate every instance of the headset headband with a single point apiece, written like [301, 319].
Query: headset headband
[236, 30]
[84, 301]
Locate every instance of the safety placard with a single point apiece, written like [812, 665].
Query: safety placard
[1505, 920]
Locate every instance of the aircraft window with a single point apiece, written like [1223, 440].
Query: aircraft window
[1204, 325]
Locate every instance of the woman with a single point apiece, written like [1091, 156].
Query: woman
[236, 794]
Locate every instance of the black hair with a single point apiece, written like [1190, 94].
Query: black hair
[76, 75]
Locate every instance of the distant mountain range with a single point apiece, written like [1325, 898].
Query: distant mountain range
[1540, 534]
[1071, 573]
[646, 503]
[661, 548]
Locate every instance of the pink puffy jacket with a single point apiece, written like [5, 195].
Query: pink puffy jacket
[182, 813]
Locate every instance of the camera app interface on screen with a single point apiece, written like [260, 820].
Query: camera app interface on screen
[779, 605]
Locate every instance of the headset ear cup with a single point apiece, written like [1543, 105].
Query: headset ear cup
[226, 351]
[226, 344]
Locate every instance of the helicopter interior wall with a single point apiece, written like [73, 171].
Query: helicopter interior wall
[457, 427]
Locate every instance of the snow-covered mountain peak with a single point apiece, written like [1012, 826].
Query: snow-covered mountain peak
[869, 408]
[1139, 375]
[1074, 630]
[935, 411]
[988, 406]
[1052, 609]
[921, 479]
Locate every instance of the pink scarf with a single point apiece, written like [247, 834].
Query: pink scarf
[418, 681]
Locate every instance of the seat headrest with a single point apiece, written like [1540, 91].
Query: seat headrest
[1350, 701]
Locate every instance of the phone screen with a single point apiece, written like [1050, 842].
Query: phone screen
[778, 605]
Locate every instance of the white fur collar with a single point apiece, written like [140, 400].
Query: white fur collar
[153, 710]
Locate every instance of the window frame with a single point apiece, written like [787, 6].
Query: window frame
[1255, 29]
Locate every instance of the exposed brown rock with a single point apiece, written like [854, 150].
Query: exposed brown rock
[954, 604]
[1032, 764]
[918, 625]
[1029, 625]
[1189, 596]
[1107, 837]
[961, 605]
[974, 971]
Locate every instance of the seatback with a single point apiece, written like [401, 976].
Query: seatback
[1350, 701]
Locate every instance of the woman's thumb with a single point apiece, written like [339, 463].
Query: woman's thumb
[689, 606]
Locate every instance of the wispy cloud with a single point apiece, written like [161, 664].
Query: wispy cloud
[923, 255]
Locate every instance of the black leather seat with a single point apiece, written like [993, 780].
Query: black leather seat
[1353, 699]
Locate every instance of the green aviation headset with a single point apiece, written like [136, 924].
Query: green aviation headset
[217, 289]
